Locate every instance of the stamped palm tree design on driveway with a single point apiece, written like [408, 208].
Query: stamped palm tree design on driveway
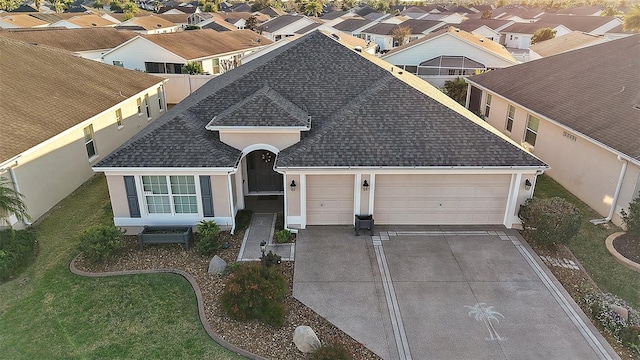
[487, 315]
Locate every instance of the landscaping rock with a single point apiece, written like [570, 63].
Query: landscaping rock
[305, 339]
[623, 312]
[217, 265]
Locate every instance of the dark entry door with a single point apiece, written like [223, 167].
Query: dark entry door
[262, 178]
[474, 100]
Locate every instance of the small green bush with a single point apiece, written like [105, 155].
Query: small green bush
[283, 236]
[331, 351]
[550, 221]
[243, 219]
[99, 242]
[232, 267]
[631, 219]
[209, 242]
[271, 259]
[630, 337]
[18, 248]
[250, 295]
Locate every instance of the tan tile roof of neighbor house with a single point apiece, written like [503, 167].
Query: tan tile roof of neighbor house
[571, 41]
[90, 20]
[46, 91]
[22, 20]
[174, 18]
[196, 44]
[72, 39]
[150, 22]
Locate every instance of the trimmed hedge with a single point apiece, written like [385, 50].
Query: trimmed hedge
[209, 233]
[18, 249]
[550, 221]
[99, 242]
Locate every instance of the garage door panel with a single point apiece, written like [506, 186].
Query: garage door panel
[330, 199]
[441, 199]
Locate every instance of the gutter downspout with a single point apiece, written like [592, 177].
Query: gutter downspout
[616, 194]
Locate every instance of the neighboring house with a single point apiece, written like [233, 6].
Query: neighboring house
[488, 28]
[330, 131]
[353, 26]
[449, 54]
[83, 21]
[54, 129]
[454, 18]
[20, 20]
[420, 28]
[271, 12]
[197, 18]
[167, 53]
[558, 45]
[89, 43]
[181, 20]
[619, 32]
[381, 34]
[148, 25]
[581, 11]
[284, 26]
[589, 138]
[594, 25]
[518, 35]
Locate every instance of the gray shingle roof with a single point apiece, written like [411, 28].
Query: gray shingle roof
[362, 115]
[265, 107]
[594, 91]
[351, 24]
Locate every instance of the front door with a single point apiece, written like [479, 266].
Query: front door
[262, 178]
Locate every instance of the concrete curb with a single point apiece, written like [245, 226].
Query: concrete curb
[196, 289]
[623, 260]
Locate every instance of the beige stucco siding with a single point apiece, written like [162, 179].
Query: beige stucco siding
[220, 189]
[441, 199]
[293, 197]
[241, 140]
[586, 169]
[364, 196]
[50, 171]
[118, 196]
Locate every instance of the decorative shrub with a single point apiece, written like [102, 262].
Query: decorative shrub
[18, 248]
[271, 259]
[550, 221]
[283, 236]
[243, 219]
[250, 295]
[208, 243]
[99, 242]
[623, 331]
[630, 337]
[331, 351]
[631, 219]
[232, 267]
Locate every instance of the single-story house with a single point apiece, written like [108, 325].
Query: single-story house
[579, 111]
[54, 130]
[330, 131]
[18, 20]
[595, 25]
[518, 35]
[284, 26]
[148, 25]
[84, 21]
[89, 43]
[558, 45]
[353, 26]
[449, 54]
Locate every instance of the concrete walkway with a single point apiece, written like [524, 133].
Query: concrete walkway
[261, 229]
[442, 293]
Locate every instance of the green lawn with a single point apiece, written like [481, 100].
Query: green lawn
[589, 248]
[59, 315]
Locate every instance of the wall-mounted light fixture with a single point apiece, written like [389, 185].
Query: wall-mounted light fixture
[365, 186]
[527, 184]
[293, 185]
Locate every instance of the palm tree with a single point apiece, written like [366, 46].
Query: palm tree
[11, 202]
[632, 19]
[486, 314]
[456, 89]
[313, 8]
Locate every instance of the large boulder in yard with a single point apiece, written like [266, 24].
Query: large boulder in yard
[217, 265]
[623, 312]
[305, 339]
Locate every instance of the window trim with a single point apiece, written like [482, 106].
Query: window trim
[91, 141]
[147, 107]
[144, 205]
[528, 129]
[139, 103]
[119, 119]
[161, 98]
[487, 105]
[510, 118]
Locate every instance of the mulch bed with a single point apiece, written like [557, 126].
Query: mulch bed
[253, 336]
[628, 246]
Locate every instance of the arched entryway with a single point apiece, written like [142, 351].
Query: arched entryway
[261, 178]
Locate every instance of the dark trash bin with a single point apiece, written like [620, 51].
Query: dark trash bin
[364, 222]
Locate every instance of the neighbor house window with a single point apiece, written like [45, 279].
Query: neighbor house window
[532, 130]
[89, 143]
[139, 102]
[119, 117]
[487, 107]
[160, 98]
[163, 68]
[510, 116]
[216, 66]
[170, 194]
[146, 106]
[118, 63]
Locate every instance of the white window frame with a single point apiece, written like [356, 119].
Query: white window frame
[510, 118]
[139, 103]
[487, 106]
[161, 98]
[147, 107]
[531, 130]
[119, 118]
[90, 141]
[170, 195]
[118, 63]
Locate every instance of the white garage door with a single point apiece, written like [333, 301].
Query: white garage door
[330, 199]
[440, 199]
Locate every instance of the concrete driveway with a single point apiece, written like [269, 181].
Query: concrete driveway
[442, 293]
